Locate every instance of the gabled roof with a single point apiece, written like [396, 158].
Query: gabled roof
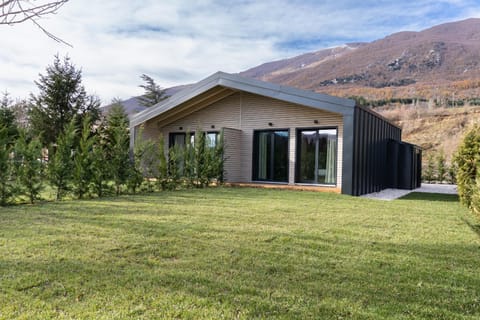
[235, 82]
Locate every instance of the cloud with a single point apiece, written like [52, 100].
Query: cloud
[178, 42]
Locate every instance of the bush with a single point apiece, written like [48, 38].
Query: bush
[467, 160]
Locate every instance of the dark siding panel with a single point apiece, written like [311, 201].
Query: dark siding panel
[368, 161]
[370, 139]
[357, 159]
[363, 143]
[404, 165]
[378, 155]
[370, 152]
[376, 160]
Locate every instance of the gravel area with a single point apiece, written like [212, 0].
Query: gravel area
[391, 194]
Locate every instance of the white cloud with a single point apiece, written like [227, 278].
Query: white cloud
[177, 42]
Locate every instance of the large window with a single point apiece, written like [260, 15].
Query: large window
[317, 156]
[270, 155]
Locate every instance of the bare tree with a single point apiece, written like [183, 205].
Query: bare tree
[18, 11]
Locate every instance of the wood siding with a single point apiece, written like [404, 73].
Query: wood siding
[247, 112]
[232, 145]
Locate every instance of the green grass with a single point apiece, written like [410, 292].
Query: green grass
[240, 253]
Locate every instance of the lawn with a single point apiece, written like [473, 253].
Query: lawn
[240, 253]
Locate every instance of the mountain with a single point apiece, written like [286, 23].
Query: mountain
[428, 82]
[440, 64]
[436, 56]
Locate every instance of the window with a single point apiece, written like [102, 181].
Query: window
[211, 139]
[177, 139]
[270, 155]
[317, 156]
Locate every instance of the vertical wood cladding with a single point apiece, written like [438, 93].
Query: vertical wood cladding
[371, 135]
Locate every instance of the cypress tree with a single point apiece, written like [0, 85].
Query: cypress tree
[62, 98]
[29, 167]
[452, 173]
[441, 167]
[218, 159]
[60, 164]
[468, 175]
[174, 167]
[162, 177]
[7, 118]
[189, 161]
[430, 169]
[117, 141]
[146, 159]
[6, 177]
[201, 169]
[119, 157]
[83, 161]
[100, 165]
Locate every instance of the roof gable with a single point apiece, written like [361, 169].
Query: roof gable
[236, 82]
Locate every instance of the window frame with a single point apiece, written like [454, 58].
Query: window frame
[298, 154]
[255, 155]
[171, 138]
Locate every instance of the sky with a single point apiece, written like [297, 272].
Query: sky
[183, 41]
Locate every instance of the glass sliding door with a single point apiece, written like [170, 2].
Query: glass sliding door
[270, 155]
[317, 156]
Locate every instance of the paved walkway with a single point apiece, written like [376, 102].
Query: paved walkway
[391, 194]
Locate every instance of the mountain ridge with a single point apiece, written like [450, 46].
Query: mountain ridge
[427, 82]
[450, 52]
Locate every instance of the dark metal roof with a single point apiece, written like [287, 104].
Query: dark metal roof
[236, 82]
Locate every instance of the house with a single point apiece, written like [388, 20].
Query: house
[285, 136]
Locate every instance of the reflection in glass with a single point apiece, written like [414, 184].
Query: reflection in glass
[317, 156]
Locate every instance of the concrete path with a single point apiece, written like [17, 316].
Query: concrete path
[391, 194]
[437, 188]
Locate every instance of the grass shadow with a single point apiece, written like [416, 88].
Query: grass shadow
[474, 227]
[430, 197]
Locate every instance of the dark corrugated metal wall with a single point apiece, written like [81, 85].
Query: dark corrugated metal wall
[404, 165]
[371, 134]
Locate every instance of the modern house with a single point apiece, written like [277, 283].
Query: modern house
[285, 136]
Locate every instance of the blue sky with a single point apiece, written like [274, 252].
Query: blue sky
[178, 42]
